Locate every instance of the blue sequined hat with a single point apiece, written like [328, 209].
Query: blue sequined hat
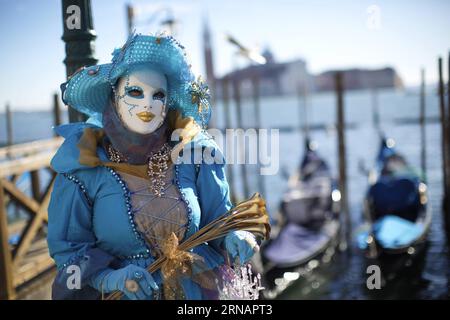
[89, 90]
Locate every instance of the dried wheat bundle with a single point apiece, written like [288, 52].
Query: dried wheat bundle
[249, 215]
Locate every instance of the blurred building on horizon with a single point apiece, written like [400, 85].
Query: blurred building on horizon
[289, 78]
[274, 78]
[292, 77]
[357, 79]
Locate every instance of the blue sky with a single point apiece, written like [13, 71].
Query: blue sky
[327, 34]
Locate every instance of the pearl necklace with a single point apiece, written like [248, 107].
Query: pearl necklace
[157, 166]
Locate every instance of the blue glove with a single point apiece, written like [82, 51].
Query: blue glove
[111, 280]
[242, 243]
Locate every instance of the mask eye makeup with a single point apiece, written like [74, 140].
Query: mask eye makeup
[159, 95]
[134, 92]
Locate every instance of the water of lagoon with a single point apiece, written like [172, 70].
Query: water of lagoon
[344, 277]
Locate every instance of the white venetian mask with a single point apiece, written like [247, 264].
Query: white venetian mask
[141, 100]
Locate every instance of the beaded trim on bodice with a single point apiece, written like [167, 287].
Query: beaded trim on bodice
[157, 217]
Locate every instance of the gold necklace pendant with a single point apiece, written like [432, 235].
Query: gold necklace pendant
[157, 167]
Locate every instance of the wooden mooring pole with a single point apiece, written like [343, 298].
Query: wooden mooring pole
[303, 110]
[9, 130]
[444, 144]
[423, 138]
[241, 142]
[257, 111]
[56, 111]
[446, 212]
[445, 123]
[376, 111]
[130, 18]
[226, 110]
[342, 153]
[445, 151]
[444, 137]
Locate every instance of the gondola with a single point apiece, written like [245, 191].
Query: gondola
[396, 210]
[309, 228]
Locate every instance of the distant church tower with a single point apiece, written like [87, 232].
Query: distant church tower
[209, 65]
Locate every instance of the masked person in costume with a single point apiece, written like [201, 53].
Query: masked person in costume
[118, 195]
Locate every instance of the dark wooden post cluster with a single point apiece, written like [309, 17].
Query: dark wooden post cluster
[79, 36]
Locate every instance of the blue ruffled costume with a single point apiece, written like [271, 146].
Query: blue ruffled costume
[91, 221]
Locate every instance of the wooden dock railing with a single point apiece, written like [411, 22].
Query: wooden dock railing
[24, 260]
